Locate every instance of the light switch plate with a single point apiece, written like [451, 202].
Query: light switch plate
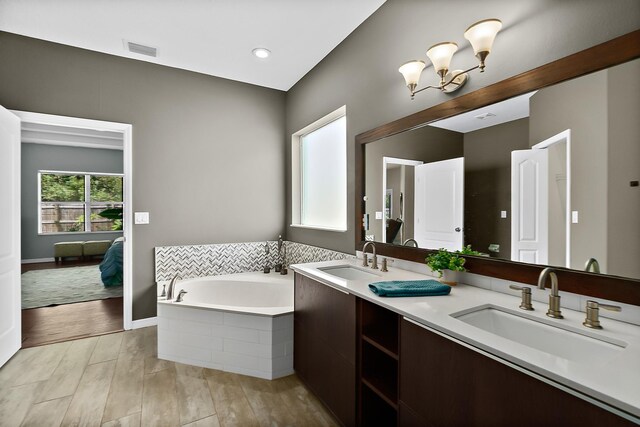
[503, 214]
[141, 218]
[378, 215]
[574, 217]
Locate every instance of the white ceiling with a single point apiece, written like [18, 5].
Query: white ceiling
[500, 112]
[213, 37]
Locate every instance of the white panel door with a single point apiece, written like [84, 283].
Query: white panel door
[530, 206]
[438, 210]
[10, 321]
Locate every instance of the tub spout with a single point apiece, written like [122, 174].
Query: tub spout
[172, 285]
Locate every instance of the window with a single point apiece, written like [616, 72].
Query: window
[319, 173]
[78, 202]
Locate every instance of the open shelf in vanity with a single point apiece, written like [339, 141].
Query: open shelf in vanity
[378, 344]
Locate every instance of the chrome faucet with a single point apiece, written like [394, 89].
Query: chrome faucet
[374, 261]
[172, 285]
[592, 264]
[410, 241]
[554, 297]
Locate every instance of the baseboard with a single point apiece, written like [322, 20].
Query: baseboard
[37, 260]
[143, 323]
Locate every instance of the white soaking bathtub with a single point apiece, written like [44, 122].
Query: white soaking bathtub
[240, 323]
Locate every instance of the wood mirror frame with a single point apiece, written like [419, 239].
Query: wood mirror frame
[605, 55]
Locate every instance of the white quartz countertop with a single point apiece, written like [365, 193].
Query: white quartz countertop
[615, 382]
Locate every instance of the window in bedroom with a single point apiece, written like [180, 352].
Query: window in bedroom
[79, 202]
[319, 173]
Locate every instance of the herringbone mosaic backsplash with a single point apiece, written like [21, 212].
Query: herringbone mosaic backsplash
[229, 258]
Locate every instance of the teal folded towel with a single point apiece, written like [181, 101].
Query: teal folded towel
[413, 288]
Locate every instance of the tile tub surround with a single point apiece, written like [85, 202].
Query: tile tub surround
[255, 345]
[228, 258]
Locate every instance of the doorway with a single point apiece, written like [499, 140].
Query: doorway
[541, 202]
[89, 236]
[398, 199]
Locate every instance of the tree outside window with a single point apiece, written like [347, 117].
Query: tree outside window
[80, 202]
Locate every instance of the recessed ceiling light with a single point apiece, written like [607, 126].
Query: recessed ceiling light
[261, 52]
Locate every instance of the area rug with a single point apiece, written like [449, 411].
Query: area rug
[41, 288]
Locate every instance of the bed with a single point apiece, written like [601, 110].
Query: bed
[111, 265]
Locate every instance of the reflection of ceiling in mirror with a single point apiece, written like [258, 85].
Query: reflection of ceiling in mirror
[491, 115]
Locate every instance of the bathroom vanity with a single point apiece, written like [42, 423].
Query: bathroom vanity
[419, 362]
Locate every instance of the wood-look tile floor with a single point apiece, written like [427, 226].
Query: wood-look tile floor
[117, 380]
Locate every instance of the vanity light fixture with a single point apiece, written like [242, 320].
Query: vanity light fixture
[261, 52]
[481, 36]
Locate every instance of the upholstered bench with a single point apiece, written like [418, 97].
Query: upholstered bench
[95, 247]
[67, 249]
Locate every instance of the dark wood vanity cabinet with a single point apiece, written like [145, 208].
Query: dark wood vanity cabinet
[325, 345]
[371, 367]
[443, 383]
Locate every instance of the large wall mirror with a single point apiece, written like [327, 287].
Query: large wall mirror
[546, 176]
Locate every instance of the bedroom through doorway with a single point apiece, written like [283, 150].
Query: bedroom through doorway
[73, 226]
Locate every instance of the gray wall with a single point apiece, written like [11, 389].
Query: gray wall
[361, 72]
[580, 105]
[208, 154]
[487, 180]
[623, 232]
[36, 157]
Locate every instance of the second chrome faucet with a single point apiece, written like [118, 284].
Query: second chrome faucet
[554, 296]
[374, 261]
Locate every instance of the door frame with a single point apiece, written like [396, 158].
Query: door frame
[391, 161]
[565, 136]
[127, 153]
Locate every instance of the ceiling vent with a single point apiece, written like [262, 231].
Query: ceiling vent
[484, 116]
[141, 49]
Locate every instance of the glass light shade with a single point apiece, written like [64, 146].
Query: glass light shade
[482, 34]
[411, 72]
[441, 54]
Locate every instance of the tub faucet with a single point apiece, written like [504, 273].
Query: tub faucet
[374, 261]
[554, 297]
[172, 285]
[267, 268]
[410, 241]
[180, 294]
[592, 264]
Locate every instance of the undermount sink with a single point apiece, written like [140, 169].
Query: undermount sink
[348, 272]
[542, 334]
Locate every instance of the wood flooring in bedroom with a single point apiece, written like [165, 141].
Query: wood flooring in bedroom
[47, 325]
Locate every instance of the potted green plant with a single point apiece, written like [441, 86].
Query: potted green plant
[466, 250]
[443, 260]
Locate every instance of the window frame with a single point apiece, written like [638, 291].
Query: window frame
[87, 204]
[297, 172]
